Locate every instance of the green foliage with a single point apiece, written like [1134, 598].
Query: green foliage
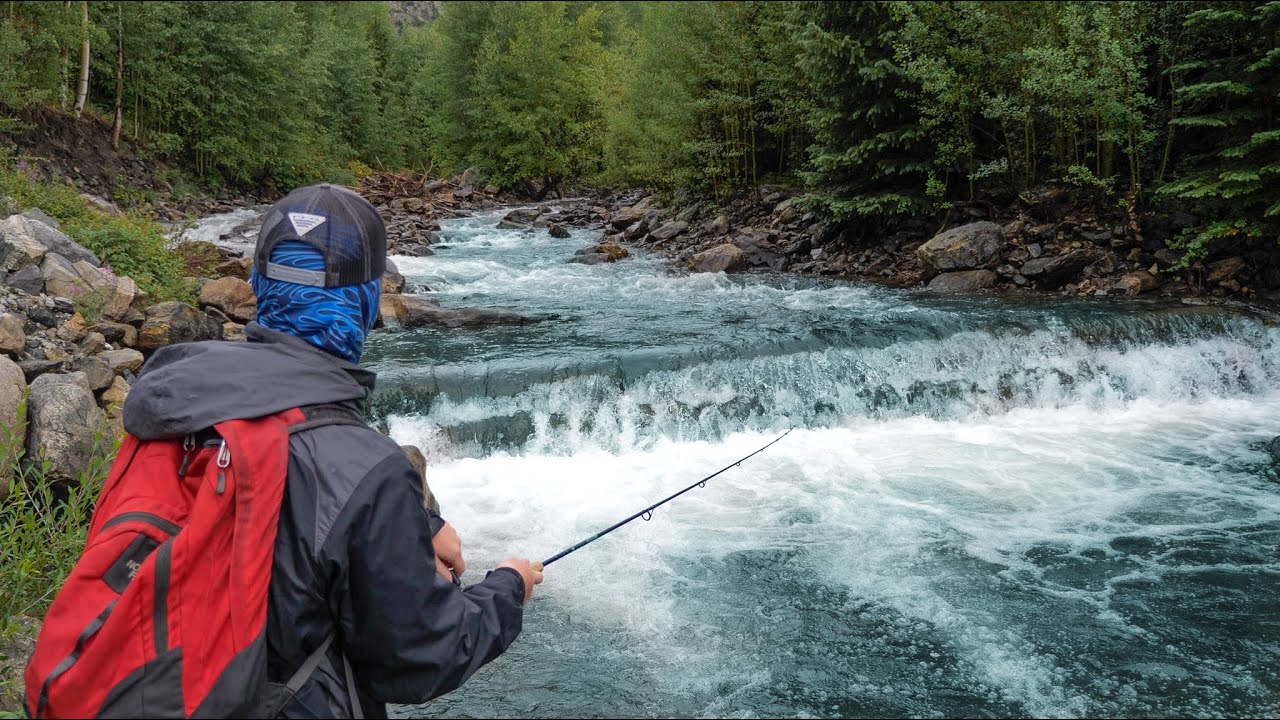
[131, 245]
[44, 524]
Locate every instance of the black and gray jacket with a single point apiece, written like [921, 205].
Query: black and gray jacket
[353, 555]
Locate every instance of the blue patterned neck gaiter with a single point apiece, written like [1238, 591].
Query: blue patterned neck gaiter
[336, 320]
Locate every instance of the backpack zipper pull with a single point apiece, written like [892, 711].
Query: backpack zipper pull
[223, 461]
[188, 446]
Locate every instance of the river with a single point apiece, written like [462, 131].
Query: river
[988, 507]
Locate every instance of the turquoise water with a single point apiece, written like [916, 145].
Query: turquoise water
[988, 507]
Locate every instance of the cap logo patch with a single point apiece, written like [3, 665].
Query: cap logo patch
[304, 223]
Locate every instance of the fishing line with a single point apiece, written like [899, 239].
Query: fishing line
[647, 513]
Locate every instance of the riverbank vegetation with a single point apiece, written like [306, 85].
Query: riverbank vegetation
[879, 110]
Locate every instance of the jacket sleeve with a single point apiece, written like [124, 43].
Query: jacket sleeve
[410, 635]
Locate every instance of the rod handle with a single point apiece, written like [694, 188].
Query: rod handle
[537, 567]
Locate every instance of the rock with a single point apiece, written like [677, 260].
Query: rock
[1035, 250]
[115, 394]
[117, 333]
[669, 230]
[41, 216]
[1166, 258]
[232, 296]
[605, 252]
[505, 224]
[1136, 283]
[524, 216]
[1225, 270]
[66, 425]
[174, 322]
[13, 339]
[122, 361]
[717, 227]
[29, 280]
[120, 293]
[968, 247]
[413, 311]
[13, 386]
[419, 463]
[1051, 273]
[725, 257]
[392, 281]
[74, 329]
[233, 331]
[97, 371]
[1273, 449]
[235, 267]
[627, 216]
[18, 249]
[93, 343]
[54, 241]
[33, 368]
[102, 204]
[557, 231]
[963, 281]
[61, 277]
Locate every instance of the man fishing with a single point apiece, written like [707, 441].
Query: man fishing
[355, 599]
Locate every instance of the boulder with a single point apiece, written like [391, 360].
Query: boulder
[54, 241]
[1051, 273]
[61, 277]
[233, 331]
[66, 425]
[392, 281]
[119, 291]
[13, 339]
[725, 257]
[717, 227]
[1225, 270]
[41, 216]
[414, 311]
[232, 296]
[626, 217]
[557, 231]
[33, 368]
[419, 463]
[605, 252]
[74, 329]
[29, 280]
[962, 281]
[18, 249]
[115, 394]
[117, 333]
[968, 247]
[1136, 283]
[122, 361]
[524, 216]
[235, 267]
[174, 322]
[97, 371]
[93, 343]
[13, 386]
[669, 230]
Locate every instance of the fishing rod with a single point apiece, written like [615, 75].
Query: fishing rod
[648, 512]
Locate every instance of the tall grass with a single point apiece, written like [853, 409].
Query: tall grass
[43, 524]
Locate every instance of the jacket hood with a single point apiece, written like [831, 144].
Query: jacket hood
[188, 387]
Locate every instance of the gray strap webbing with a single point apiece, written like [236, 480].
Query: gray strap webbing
[297, 276]
[309, 666]
[352, 691]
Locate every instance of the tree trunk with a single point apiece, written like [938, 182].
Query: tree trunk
[64, 73]
[119, 122]
[83, 92]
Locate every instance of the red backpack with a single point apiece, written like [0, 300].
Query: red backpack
[165, 613]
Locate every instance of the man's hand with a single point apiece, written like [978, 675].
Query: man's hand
[530, 576]
[448, 547]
